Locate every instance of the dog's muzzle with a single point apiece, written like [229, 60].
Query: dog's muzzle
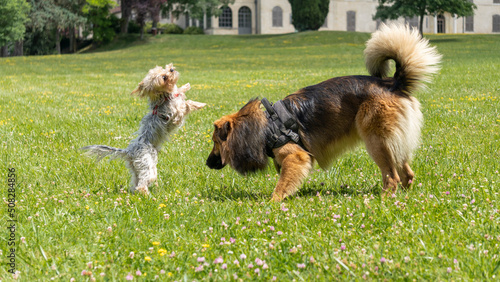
[215, 162]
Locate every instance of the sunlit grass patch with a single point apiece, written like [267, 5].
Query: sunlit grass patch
[77, 220]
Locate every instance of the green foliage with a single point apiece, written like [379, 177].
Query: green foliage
[196, 8]
[75, 216]
[309, 15]
[101, 22]
[194, 30]
[13, 16]
[38, 42]
[134, 27]
[171, 28]
[393, 9]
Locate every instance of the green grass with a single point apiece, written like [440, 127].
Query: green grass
[76, 215]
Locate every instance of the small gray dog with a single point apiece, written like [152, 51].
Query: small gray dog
[169, 109]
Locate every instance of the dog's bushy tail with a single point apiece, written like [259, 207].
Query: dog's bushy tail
[99, 152]
[416, 61]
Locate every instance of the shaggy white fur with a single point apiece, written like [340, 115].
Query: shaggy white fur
[168, 111]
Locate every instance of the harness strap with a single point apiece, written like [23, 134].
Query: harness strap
[282, 126]
[166, 99]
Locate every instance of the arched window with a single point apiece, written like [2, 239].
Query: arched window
[226, 18]
[441, 24]
[277, 17]
[496, 23]
[244, 20]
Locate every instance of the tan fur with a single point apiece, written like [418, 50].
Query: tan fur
[419, 61]
[338, 114]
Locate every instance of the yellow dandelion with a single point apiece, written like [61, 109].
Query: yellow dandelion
[205, 246]
[156, 243]
[87, 207]
[161, 206]
[162, 252]
[148, 259]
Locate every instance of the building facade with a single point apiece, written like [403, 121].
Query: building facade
[275, 17]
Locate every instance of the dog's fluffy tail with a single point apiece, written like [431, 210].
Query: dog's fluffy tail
[416, 61]
[99, 152]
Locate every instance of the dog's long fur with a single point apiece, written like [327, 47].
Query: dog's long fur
[338, 114]
[168, 111]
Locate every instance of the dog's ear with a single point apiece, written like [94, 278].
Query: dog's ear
[223, 131]
[139, 90]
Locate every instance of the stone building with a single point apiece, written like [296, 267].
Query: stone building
[275, 16]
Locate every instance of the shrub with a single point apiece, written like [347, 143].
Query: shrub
[171, 29]
[194, 30]
[133, 27]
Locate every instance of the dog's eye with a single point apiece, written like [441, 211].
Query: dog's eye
[164, 77]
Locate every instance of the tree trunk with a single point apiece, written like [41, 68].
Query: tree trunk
[18, 48]
[72, 40]
[4, 52]
[142, 30]
[58, 42]
[126, 11]
[421, 25]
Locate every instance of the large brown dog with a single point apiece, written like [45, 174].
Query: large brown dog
[335, 115]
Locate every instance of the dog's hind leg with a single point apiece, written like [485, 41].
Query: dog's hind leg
[133, 175]
[295, 166]
[406, 175]
[384, 158]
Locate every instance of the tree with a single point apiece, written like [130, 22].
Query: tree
[13, 16]
[309, 15]
[56, 17]
[197, 8]
[100, 21]
[393, 9]
[126, 9]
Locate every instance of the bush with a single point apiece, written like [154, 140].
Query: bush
[133, 27]
[309, 15]
[171, 28]
[194, 30]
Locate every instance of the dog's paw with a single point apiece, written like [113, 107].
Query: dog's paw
[193, 105]
[142, 190]
[276, 198]
[185, 87]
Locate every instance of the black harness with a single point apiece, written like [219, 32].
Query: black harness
[282, 126]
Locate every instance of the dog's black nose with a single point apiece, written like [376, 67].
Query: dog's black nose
[171, 70]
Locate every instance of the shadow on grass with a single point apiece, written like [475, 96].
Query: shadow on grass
[118, 43]
[444, 40]
[234, 194]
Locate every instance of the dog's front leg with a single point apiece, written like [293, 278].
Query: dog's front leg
[184, 88]
[295, 166]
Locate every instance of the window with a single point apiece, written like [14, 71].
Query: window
[187, 20]
[496, 1]
[351, 21]
[469, 23]
[226, 18]
[277, 17]
[244, 20]
[496, 23]
[209, 19]
[441, 24]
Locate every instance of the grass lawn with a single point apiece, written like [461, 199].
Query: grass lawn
[75, 218]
